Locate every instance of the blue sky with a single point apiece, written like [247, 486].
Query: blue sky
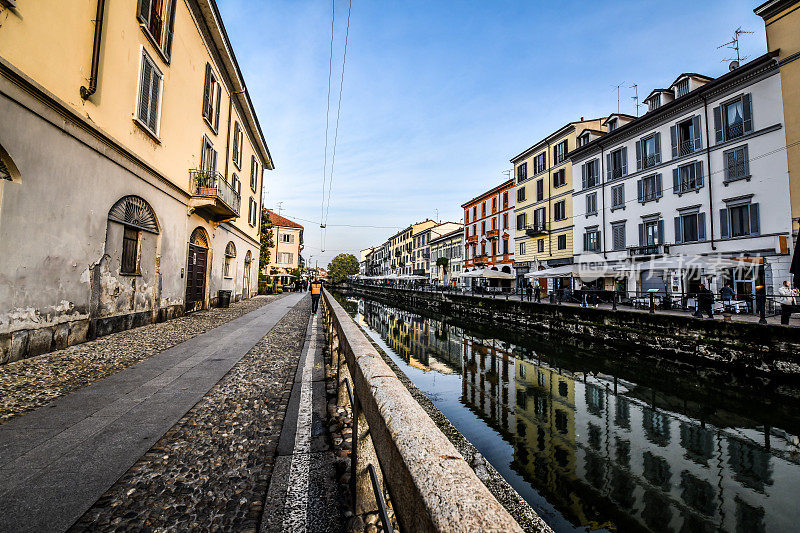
[439, 95]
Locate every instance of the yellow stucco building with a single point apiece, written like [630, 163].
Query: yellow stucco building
[133, 165]
[401, 247]
[782, 24]
[543, 212]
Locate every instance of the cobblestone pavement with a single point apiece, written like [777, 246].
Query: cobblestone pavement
[210, 471]
[31, 383]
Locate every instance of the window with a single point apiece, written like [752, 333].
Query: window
[521, 218]
[560, 210]
[253, 173]
[559, 178]
[736, 164]
[690, 227]
[734, 118]
[236, 185]
[230, 255]
[130, 251]
[286, 258]
[158, 24]
[522, 248]
[540, 163]
[237, 144]
[654, 102]
[540, 190]
[287, 237]
[494, 223]
[739, 219]
[474, 212]
[591, 203]
[522, 172]
[686, 137]
[591, 240]
[149, 102]
[618, 236]
[648, 151]
[483, 228]
[483, 209]
[494, 205]
[649, 188]
[505, 200]
[560, 152]
[539, 217]
[494, 247]
[208, 157]
[562, 242]
[651, 232]
[505, 246]
[583, 139]
[252, 215]
[618, 196]
[687, 178]
[521, 194]
[617, 164]
[466, 216]
[540, 246]
[590, 173]
[505, 220]
[212, 94]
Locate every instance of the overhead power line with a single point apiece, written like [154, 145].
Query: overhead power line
[327, 118]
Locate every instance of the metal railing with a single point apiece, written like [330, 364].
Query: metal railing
[537, 228]
[212, 183]
[647, 249]
[686, 147]
[650, 160]
[396, 445]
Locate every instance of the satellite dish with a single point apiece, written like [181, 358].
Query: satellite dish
[733, 65]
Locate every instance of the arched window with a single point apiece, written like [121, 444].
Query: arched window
[230, 255]
[199, 237]
[136, 215]
[8, 170]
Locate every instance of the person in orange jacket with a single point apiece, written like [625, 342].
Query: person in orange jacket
[316, 292]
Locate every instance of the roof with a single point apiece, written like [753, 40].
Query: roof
[617, 115]
[505, 184]
[447, 235]
[282, 222]
[691, 75]
[558, 133]
[772, 7]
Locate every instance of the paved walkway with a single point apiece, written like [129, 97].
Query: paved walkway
[56, 462]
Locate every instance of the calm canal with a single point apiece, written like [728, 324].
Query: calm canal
[595, 450]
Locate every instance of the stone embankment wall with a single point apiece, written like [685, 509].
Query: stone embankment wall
[747, 348]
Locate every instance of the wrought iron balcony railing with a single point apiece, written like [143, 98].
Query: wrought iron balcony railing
[686, 147]
[537, 228]
[648, 249]
[212, 184]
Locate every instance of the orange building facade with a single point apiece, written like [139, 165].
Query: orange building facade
[488, 230]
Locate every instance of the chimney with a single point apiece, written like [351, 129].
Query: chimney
[581, 119]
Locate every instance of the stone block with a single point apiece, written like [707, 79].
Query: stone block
[61, 336]
[19, 345]
[40, 341]
[5, 348]
[78, 331]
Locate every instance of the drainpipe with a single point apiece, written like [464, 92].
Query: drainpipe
[603, 196]
[708, 172]
[86, 92]
[549, 202]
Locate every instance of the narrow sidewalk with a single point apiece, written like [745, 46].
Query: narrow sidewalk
[55, 462]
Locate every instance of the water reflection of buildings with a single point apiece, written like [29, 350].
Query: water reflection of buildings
[609, 453]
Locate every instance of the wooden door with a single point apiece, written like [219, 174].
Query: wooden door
[196, 277]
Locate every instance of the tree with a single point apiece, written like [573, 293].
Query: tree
[342, 266]
[266, 238]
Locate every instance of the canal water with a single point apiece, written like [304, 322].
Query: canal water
[593, 450]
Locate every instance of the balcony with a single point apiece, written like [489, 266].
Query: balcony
[537, 228]
[472, 238]
[685, 147]
[398, 253]
[650, 160]
[648, 249]
[481, 259]
[493, 234]
[212, 198]
[616, 173]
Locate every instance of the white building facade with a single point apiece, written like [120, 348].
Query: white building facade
[702, 175]
[446, 257]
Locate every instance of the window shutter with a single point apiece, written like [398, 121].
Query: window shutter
[583, 174]
[588, 204]
[624, 157]
[698, 172]
[236, 141]
[597, 247]
[718, 123]
[747, 111]
[701, 226]
[608, 167]
[640, 190]
[730, 165]
[746, 160]
[723, 223]
[676, 182]
[658, 147]
[659, 189]
[144, 90]
[585, 242]
[143, 12]
[207, 94]
[678, 231]
[673, 135]
[641, 235]
[170, 30]
[698, 139]
[660, 231]
[638, 155]
[755, 226]
[213, 160]
[152, 121]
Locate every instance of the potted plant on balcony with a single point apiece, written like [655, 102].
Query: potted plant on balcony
[206, 183]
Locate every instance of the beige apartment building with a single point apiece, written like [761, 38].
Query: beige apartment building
[284, 256]
[131, 165]
[401, 247]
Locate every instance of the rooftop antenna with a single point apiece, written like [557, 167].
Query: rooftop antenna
[617, 87]
[280, 207]
[437, 215]
[635, 97]
[733, 44]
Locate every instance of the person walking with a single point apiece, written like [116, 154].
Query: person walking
[788, 301]
[705, 302]
[316, 291]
